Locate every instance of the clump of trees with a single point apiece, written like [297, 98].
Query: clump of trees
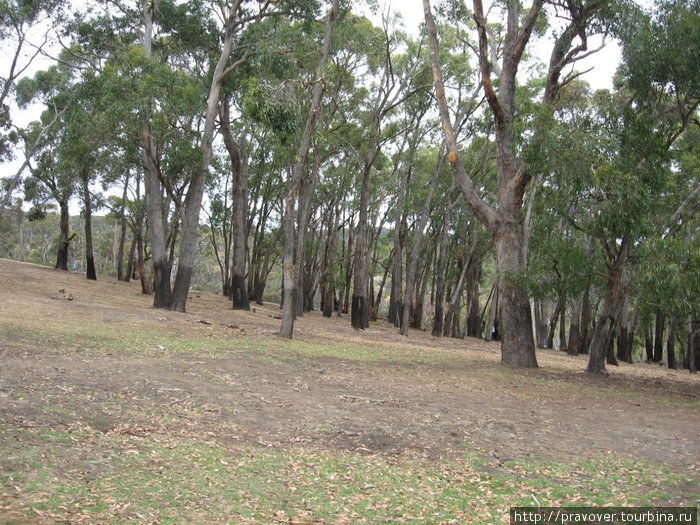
[438, 179]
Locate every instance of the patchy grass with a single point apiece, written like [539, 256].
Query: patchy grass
[114, 412]
[147, 474]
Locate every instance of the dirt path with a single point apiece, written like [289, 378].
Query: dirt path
[437, 396]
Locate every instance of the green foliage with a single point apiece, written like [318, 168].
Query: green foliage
[274, 107]
[661, 53]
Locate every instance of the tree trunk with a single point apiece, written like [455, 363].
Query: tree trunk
[343, 301]
[562, 322]
[195, 192]
[91, 273]
[693, 342]
[289, 268]
[146, 284]
[541, 307]
[506, 223]
[442, 262]
[305, 195]
[671, 342]
[328, 277]
[413, 259]
[623, 350]
[130, 264]
[585, 319]
[154, 206]
[630, 333]
[451, 316]
[574, 328]
[374, 314]
[386, 99]
[473, 317]
[649, 343]
[238, 286]
[64, 238]
[659, 336]
[359, 313]
[422, 285]
[122, 234]
[553, 322]
[615, 292]
[610, 357]
[395, 300]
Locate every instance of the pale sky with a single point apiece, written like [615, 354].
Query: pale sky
[604, 63]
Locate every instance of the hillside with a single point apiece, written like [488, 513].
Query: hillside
[112, 410]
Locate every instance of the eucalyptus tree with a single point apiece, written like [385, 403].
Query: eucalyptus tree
[394, 86]
[25, 34]
[503, 57]
[291, 294]
[51, 179]
[648, 114]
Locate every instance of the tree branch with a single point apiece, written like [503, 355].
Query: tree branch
[482, 210]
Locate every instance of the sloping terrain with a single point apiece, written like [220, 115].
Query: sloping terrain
[92, 361]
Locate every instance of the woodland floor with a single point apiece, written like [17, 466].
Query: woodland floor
[106, 363]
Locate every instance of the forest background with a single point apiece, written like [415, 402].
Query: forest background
[447, 180]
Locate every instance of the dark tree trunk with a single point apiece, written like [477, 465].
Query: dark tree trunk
[671, 342]
[541, 307]
[615, 293]
[328, 277]
[442, 261]
[574, 328]
[562, 322]
[649, 343]
[195, 191]
[91, 273]
[585, 320]
[610, 358]
[623, 349]
[395, 298]
[659, 336]
[122, 233]
[343, 301]
[586, 304]
[386, 98]
[473, 317]
[156, 233]
[422, 285]
[630, 334]
[238, 286]
[554, 320]
[451, 318]
[288, 268]
[693, 344]
[359, 312]
[305, 195]
[489, 311]
[505, 222]
[130, 264]
[64, 238]
[146, 283]
[378, 298]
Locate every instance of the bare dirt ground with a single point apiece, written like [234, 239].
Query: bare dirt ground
[416, 396]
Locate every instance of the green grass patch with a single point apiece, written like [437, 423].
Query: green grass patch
[78, 473]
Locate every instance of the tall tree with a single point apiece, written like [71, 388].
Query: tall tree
[289, 265]
[24, 37]
[394, 87]
[505, 223]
